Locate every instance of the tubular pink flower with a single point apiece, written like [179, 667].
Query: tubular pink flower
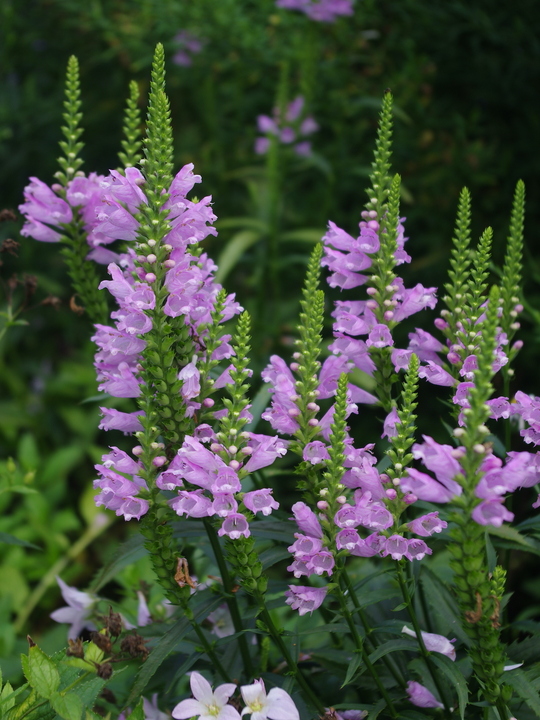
[421, 696]
[234, 526]
[434, 642]
[305, 599]
[426, 525]
[306, 520]
[260, 501]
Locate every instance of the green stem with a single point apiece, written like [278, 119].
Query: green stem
[91, 533]
[292, 665]
[209, 650]
[423, 650]
[365, 657]
[230, 598]
[390, 664]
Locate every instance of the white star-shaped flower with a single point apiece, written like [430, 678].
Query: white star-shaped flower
[207, 704]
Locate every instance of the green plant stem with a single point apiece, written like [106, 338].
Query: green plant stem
[209, 650]
[230, 598]
[90, 534]
[423, 650]
[292, 665]
[361, 649]
[391, 666]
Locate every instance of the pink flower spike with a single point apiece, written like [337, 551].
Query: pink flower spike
[420, 696]
[207, 704]
[434, 643]
[277, 705]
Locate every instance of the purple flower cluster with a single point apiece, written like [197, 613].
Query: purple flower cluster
[521, 470]
[289, 130]
[46, 212]
[284, 411]
[218, 480]
[320, 10]
[347, 258]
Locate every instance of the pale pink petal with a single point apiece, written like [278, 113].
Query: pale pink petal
[223, 692]
[201, 689]
[188, 709]
[280, 705]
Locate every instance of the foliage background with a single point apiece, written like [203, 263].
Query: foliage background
[464, 77]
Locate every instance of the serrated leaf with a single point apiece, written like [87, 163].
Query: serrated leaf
[526, 651]
[352, 669]
[128, 553]
[12, 540]
[138, 713]
[7, 698]
[452, 673]
[88, 691]
[168, 642]
[41, 672]
[522, 685]
[507, 532]
[68, 705]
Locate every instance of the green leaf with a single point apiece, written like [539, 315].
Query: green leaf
[526, 651]
[12, 540]
[278, 530]
[452, 673]
[309, 235]
[506, 532]
[443, 605]
[20, 489]
[523, 687]
[138, 713]
[41, 672]
[242, 222]
[7, 697]
[352, 669]
[68, 705]
[327, 628]
[167, 643]
[259, 405]
[273, 555]
[393, 646]
[233, 251]
[126, 554]
[89, 690]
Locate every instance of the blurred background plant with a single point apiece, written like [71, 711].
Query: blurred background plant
[464, 79]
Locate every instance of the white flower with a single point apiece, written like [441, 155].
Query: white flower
[78, 610]
[208, 704]
[277, 705]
